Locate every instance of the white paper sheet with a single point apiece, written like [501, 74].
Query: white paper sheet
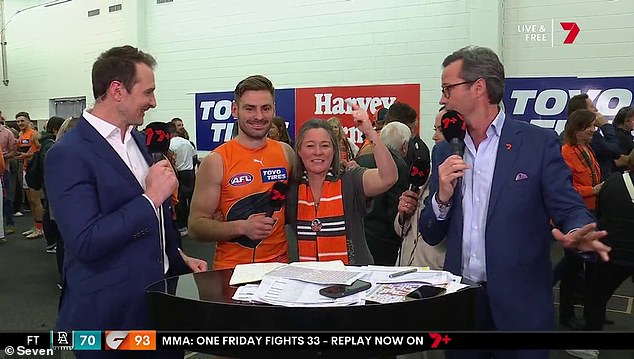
[252, 272]
[382, 275]
[294, 293]
[390, 293]
[317, 276]
[245, 292]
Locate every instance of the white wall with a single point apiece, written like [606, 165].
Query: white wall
[604, 46]
[210, 46]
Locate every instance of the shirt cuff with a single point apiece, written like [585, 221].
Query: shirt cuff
[441, 213]
[151, 203]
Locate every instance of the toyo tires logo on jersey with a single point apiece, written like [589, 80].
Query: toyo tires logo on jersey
[543, 101]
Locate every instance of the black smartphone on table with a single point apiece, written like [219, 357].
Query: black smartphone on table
[339, 290]
[426, 291]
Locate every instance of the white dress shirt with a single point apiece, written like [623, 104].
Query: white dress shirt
[131, 155]
[476, 192]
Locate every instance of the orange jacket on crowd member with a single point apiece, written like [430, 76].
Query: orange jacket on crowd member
[585, 171]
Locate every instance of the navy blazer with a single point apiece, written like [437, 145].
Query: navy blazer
[111, 233]
[531, 184]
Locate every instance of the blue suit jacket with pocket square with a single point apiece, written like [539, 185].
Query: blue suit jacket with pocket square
[531, 185]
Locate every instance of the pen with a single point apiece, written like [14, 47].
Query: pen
[402, 273]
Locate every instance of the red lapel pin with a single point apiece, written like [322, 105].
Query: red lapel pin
[508, 146]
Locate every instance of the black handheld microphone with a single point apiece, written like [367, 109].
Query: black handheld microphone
[418, 174]
[157, 140]
[454, 128]
[277, 197]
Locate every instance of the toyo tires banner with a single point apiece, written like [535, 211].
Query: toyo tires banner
[543, 100]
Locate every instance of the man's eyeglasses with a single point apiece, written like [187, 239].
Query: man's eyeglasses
[445, 89]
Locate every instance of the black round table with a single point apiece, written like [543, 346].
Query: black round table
[202, 302]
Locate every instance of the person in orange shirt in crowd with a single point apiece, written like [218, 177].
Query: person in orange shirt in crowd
[28, 143]
[576, 151]
[586, 179]
[236, 178]
[347, 148]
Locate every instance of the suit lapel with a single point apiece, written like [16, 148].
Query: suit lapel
[103, 150]
[508, 149]
[139, 138]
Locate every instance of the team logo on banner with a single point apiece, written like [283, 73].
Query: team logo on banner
[543, 100]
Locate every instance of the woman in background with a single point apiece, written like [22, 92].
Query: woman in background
[327, 202]
[347, 148]
[414, 250]
[278, 131]
[586, 179]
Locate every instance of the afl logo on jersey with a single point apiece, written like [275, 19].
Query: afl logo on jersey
[241, 179]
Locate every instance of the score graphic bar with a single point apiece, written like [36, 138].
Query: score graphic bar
[130, 340]
[76, 340]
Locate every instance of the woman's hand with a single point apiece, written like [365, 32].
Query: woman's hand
[362, 120]
[407, 205]
[350, 165]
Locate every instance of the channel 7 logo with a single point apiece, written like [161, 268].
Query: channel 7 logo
[574, 31]
[131, 340]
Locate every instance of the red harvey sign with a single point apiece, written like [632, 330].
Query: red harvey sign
[326, 102]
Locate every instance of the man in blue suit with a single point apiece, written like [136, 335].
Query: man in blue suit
[110, 204]
[497, 222]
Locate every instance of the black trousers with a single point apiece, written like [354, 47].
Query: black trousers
[384, 253]
[573, 269]
[484, 322]
[604, 280]
[186, 181]
[49, 226]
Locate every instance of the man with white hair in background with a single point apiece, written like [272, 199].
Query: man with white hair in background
[383, 241]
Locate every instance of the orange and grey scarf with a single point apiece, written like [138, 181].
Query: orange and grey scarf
[321, 226]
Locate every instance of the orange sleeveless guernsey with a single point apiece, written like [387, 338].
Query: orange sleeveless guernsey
[248, 177]
[26, 144]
